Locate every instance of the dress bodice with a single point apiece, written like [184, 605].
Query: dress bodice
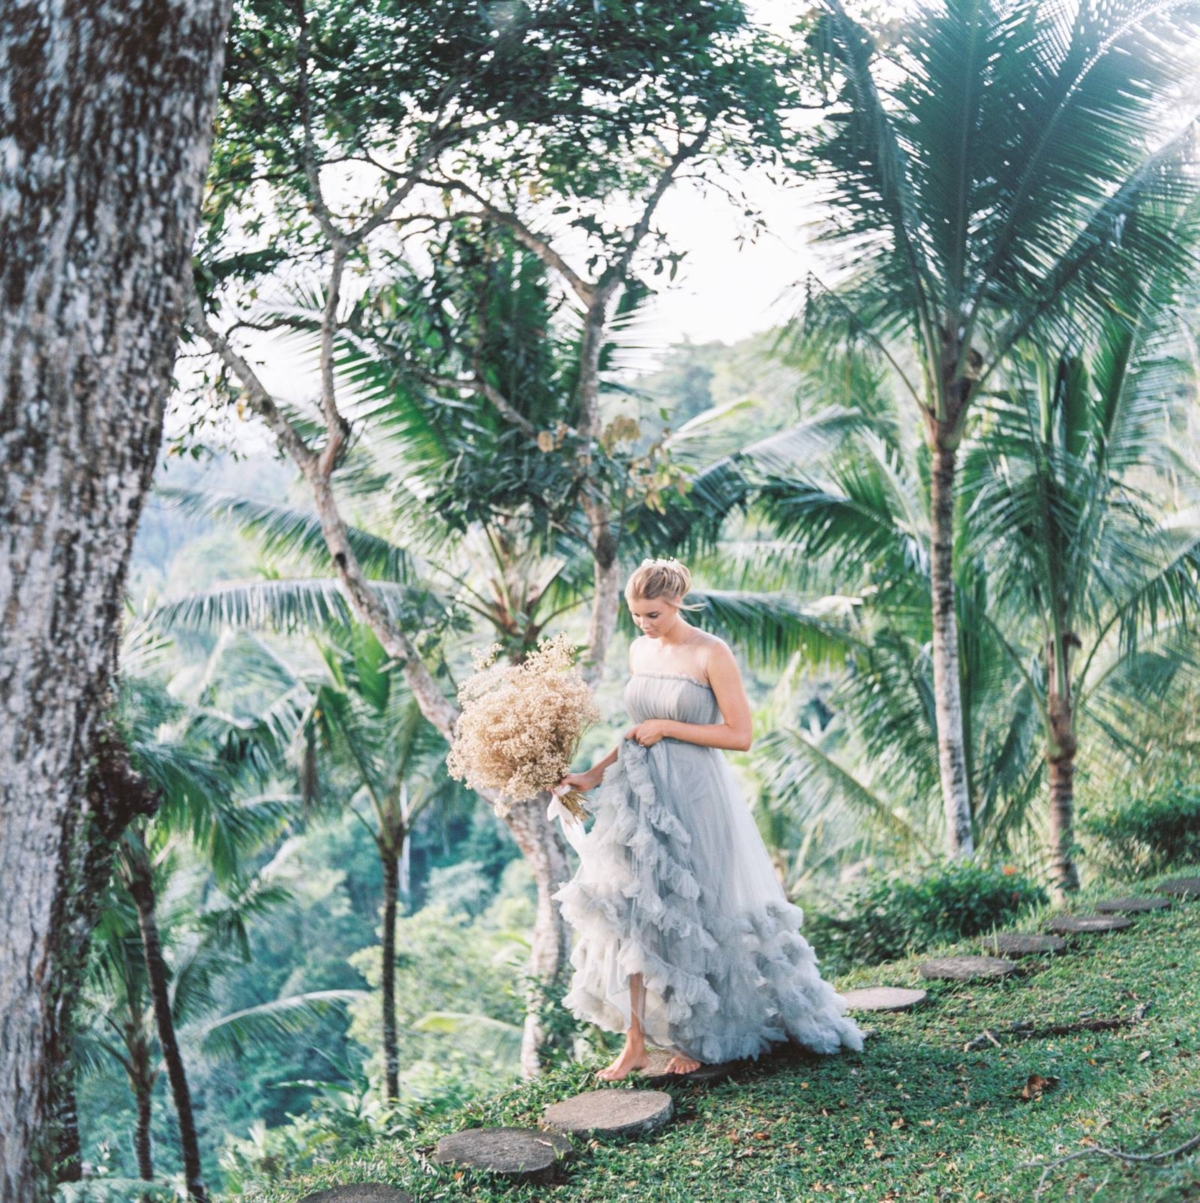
[670, 695]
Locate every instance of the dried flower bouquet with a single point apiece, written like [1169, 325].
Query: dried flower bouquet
[520, 724]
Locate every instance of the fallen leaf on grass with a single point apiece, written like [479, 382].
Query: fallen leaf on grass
[1036, 1085]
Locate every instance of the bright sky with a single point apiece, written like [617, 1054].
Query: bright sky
[723, 290]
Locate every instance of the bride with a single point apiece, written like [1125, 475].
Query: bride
[684, 936]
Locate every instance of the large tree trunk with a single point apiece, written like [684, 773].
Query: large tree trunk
[109, 107]
[952, 761]
[141, 889]
[541, 840]
[391, 1055]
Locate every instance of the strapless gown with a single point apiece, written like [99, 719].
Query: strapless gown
[674, 882]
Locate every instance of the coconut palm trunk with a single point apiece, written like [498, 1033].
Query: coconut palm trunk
[947, 683]
[391, 890]
[1060, 760]
[141, 889]
[141, 1137]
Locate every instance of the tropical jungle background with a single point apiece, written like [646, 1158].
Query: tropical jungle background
[943, 507]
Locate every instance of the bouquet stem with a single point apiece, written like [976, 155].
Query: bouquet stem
[573, 801]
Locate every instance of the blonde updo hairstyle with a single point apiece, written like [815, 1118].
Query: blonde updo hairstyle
[667, 579]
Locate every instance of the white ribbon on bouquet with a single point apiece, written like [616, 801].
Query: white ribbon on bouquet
[572, 827]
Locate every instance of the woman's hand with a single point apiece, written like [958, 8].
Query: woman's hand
[649, 732]
[581, 781]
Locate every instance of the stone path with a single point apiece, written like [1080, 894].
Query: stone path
[656, 1071]
[360, 1192]
[610, 1113]
[965, 969]
[884, 998]
[1078, 923]
[519, 1154]
[625, 1110]
[1131, 906]
[1022, 944]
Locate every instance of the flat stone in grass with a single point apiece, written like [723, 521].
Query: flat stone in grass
[1022, 944]
[608, 1112]
[360, 1192]
[883, 998]
[1131, 906]
[1078, 923]
[707, 1075]
[966, 969]
[1183, 887]
[520, 1154]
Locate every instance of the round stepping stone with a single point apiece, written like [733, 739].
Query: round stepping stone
[360, 1192]
[1022, 944]
[966, 969]
[1131, 906]
[521, 1154]
[883, 998]
[1184, 887]
[1076, 923]
[707, 1074]
[609, 1112]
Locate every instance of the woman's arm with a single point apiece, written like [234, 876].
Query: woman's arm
[734, 733]
[590, 779]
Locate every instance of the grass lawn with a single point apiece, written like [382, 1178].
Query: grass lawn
[912, 1117]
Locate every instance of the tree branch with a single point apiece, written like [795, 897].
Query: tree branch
[260, 399]
[537, 243]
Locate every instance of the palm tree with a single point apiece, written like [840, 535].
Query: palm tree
[183, 765]
[992, 174]
[862, 523]
[1070, 519]
[361, 734]
[140, 988]
[118, 1001]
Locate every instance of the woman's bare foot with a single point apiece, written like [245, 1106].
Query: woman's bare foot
[631, 1058]
[679, 1064]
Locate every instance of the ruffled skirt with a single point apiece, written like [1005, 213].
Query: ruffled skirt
[675, 883]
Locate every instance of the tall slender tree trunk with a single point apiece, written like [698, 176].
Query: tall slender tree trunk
[542, 843]
[141, 1137]
[947, 685]
[116, 795]
[391, 890]
[1060, 760]
[109, 110]
[69, 1158]
[141, 888]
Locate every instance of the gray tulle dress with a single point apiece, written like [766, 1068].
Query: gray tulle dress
[674, 882]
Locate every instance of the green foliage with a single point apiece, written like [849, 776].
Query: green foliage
[996, 170]
[888, 915]
[1147, 829]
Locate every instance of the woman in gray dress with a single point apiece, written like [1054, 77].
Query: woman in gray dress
[684, 938]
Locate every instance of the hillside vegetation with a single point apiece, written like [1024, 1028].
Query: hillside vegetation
[914, 1116]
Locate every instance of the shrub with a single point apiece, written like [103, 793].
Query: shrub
[886, 915]
[1151, 827]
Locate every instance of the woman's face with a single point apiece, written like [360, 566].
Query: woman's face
[654, 616]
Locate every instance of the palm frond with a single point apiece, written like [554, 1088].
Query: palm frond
[480, 1033]
[771, 628]
[285, 531]
[278, 1022]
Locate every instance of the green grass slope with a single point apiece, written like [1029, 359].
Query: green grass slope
[914, 1116]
